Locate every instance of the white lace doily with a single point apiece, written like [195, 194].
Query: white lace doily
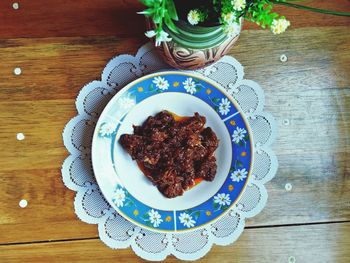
[117, 232]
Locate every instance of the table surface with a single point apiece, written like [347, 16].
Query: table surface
[60, 45]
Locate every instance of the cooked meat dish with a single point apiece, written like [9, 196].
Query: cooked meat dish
[173, 152]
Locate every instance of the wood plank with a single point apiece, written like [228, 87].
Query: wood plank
[57, 68]
[320, 196]
[318, 58]
[316, 243]
[311, 90]
[42, 123]
[119, 18]
[71, 18]
[50, 212]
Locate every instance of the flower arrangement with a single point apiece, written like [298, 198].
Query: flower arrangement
[227, 13]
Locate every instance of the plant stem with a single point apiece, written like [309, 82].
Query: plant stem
[312, 9]
[159, 28]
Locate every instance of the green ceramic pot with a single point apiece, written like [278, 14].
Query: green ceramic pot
[195, 47]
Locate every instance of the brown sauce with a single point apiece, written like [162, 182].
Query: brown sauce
[179, 118]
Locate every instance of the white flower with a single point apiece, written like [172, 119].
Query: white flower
[224, 106]
[238, 5]
[161, 83]
[190, 85]
[150, 33]
[279, 25]
[126, 103]
[119, 197]
[229, 17]
[232, 29]
[186, 220]
[222, 199]
[238, 135]
[106, 129]
[155, 218]
[239, 175]
[161, 36]
[193, 17]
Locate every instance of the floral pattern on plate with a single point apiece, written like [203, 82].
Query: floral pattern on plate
[106, 129]
[187, 220]
[151, 217]
[161, 83]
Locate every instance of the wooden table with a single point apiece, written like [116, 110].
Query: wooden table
[60, 45]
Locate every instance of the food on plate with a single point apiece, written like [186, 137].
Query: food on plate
[173, 152]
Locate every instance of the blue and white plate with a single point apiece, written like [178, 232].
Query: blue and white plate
[130, 192]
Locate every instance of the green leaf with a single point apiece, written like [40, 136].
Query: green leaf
[172, 10]
[215, 100]
[232, 169]
[145, 216]
[246, 137]
[216, 205]
[151, 87]
[129, 203]
[170, 23]
[147, 3]
[216, 108]
[198, 88]
[157, 18]
[197, 214]
[239, 163]
[240, 143]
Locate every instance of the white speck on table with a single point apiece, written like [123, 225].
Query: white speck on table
[17, 71]
[288, 187]
[20, 136]
[15, 6]
[23, 203]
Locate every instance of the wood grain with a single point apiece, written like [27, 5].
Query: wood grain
[318, 243]
[70, 18]
[56, 68]
[311, 90]
[52, 67]
[62, 45]
[118, 18]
